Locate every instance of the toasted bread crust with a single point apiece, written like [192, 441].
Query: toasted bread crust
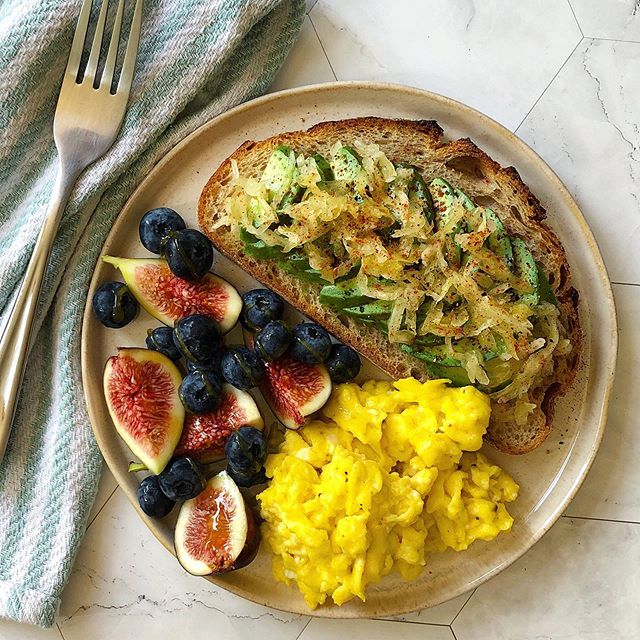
[465, 165]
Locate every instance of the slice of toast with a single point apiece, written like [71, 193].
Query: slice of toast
[465, 166]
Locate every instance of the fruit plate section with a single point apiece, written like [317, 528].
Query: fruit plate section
[548, 477]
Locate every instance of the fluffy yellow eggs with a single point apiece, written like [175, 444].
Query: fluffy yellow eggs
[385, 477]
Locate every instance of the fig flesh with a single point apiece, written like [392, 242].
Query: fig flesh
[168, 298]
[215, 531]
[205, 435]
[141, 391]
[293, 390]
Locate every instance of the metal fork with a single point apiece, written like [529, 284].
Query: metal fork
[86, 123]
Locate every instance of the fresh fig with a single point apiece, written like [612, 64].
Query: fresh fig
[168, 298]
[141, 390]
[205, 435]
[215, 531]
[292, 389]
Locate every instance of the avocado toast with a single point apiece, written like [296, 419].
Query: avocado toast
[427, 256]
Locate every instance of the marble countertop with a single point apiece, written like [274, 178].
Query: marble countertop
[564, 75]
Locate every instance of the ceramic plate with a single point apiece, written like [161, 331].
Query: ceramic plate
[548, 477]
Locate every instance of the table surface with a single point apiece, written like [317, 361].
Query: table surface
[562, 74]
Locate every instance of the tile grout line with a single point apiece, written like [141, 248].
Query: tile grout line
[548, 85]
[310, 9]
[461, 608]
[60, 631]
[322, 46]
[455, 637]
[304, 628]
[613, 40]
[575, 17]
[626, 284]
[101, 508]
[564, 515]
[422, 624]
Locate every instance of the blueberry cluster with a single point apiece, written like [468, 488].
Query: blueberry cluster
[308, 342]
[188, 252]
[197, 339]
[181, 480]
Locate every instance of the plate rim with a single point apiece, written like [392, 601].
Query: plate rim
[586, 236]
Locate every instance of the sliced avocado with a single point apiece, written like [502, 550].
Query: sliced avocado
[434, 354]
[444, 197]
[457, 375]
[545, 292]
[526, 268]
[499, 241]
[257, 248]
[293, 196]
[279, 173]
[500, 372]
[324, 168]
[347, 167]
[427, 340]
[378, 310]
[296, 263]
[343, 294]
[467, 202]
[418, 192]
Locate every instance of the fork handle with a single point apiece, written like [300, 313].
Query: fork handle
[15, 341]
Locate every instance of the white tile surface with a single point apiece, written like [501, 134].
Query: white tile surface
[586, 127]
[493, 55]
[306, 64]
[580, 582]
[14, 631]
[617, 19]
[441, 614]
[125, 585]
[612, 488]
[323, 629]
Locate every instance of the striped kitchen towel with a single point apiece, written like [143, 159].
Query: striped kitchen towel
[197, 58]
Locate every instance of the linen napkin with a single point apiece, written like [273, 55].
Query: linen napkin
[197, 58]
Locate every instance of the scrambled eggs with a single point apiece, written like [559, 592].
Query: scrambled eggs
[380, 481]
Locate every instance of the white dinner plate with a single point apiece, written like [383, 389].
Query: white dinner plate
[548, 477]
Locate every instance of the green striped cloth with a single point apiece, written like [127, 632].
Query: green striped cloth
[197, 58]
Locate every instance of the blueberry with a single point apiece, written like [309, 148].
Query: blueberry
[273, 340]
[241, 367]
[197, 337]
[311, 343]
[156, 224]
[114, 305]
[260, 307]
[182, 479]
[161, 339]
[189, 253]
[212, 367]
[343, 363]
[246, 450]
[200, 391]
[247, 479]
[152, 500]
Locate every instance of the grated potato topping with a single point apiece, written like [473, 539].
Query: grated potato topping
[401, 257]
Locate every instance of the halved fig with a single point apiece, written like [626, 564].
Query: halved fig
[215, 531]
[205, 434]
[292, 389]
[141, 390]
[169, 298]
